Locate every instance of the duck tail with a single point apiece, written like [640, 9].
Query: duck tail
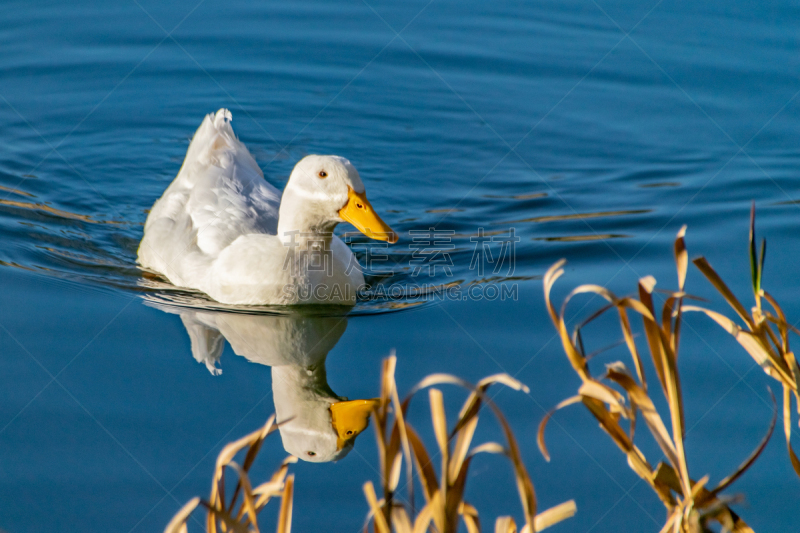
[211, 141]
[222, 119]
[216, 133]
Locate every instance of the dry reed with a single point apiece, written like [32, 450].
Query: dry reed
[616, 395]
[766, 338]
[445, 506]
[622, 394]
[233, 515]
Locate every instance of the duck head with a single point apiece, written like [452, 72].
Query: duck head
[324, 190]
[321, 433]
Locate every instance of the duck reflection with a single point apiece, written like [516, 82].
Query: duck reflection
[316, 424]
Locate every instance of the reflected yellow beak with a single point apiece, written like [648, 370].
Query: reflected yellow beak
[351, 418]
[358, 211]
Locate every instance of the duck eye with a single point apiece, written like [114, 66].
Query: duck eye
[323, 174]
[349, 431]
[311, 454]
[360, 206]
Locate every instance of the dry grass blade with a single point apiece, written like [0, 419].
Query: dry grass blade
[525, 487]
[423, 520]
[440, 424]
[380, 521]
[554, 515]
[461, 448]
[629, 342]
[575, 357]
[424, 466]
[769, 349]
[439, 502]
[444, 491]
[285, 516]
[400, 430]
[394, 473]
[546, 419]
[473, 403]
[488, 447]
[604, 393]
[401, 521]
[226, 521]
[725, 483]
[505, 524]
[651, 329]
[681, 257]
[675, 400]
[178, 522]
[470, 516]
[224, 516]
[249, 503]
[274, 487]
[619, 374]
[722, 288]
[787, 428]
[763, 357]
[226, 456]
[248, 506]
[690, 505]
[713, 507]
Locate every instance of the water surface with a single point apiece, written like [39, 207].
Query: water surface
[594, 130]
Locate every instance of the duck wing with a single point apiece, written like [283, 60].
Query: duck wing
[218, 195]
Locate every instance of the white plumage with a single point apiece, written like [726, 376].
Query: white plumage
[295, 346]
[222, 229]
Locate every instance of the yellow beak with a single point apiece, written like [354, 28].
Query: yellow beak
[358, 211]
[351, 418]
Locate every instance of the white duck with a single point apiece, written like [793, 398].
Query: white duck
[222, 229]
[316, 424]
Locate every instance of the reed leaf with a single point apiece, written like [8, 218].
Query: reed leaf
[444, 492]
[770, 350]
[470, 516]
[725, 483]
[249, 503]
[285, 516]
[753, 257]
[543, 424]
[423, 520]
[681, 257]
[424, 466]
[554, 515]
[575, 357]
[505, 524]
[461, 448]
[401, 521]
[620, 375]
[178, 522]
[690, 505]
[223, 515]
[381, 526]
[787, 428]
[651, 329]
[710, 274]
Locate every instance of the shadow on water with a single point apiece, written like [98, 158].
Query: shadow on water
[316, 424]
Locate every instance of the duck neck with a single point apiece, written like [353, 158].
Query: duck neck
[303, 224]
[299, 390]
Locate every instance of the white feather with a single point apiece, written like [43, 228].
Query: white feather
[215, 227]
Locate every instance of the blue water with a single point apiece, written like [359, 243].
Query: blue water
[594, 129]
